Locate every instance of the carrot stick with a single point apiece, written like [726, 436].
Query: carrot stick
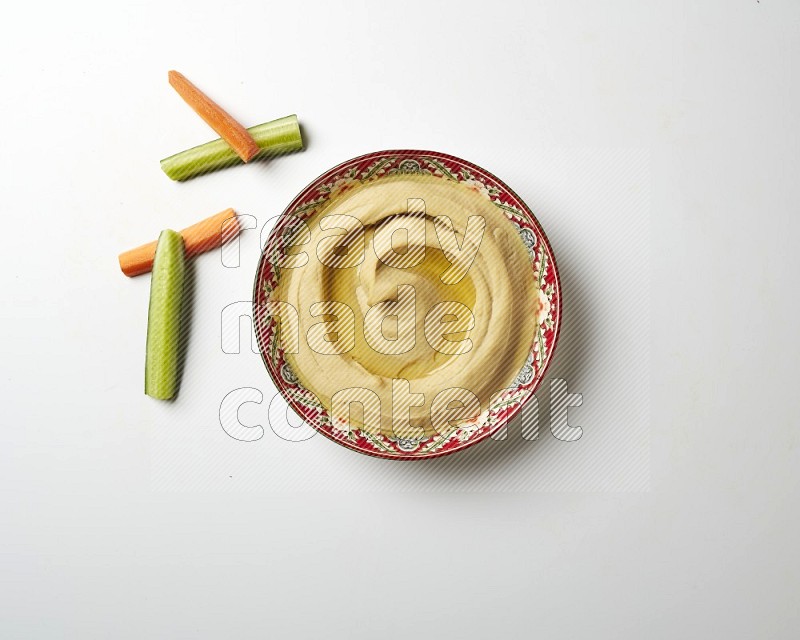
[216, 117]
[205, 235]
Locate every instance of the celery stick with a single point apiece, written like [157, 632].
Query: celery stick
[276, 137]
[164, 317]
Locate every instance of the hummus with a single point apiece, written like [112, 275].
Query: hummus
[441, 298]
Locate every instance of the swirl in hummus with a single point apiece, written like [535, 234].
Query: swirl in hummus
[416, 303]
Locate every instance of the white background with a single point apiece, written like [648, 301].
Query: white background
[94, 541]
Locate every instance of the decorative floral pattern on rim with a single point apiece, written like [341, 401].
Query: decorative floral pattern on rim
[372, 167]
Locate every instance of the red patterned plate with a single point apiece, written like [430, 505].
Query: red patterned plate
[375, 167]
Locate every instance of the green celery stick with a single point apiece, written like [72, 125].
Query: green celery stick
[274, 138]
[164, 317]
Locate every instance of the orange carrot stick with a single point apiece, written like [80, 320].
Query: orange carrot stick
[205, 235]
[216, 117]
